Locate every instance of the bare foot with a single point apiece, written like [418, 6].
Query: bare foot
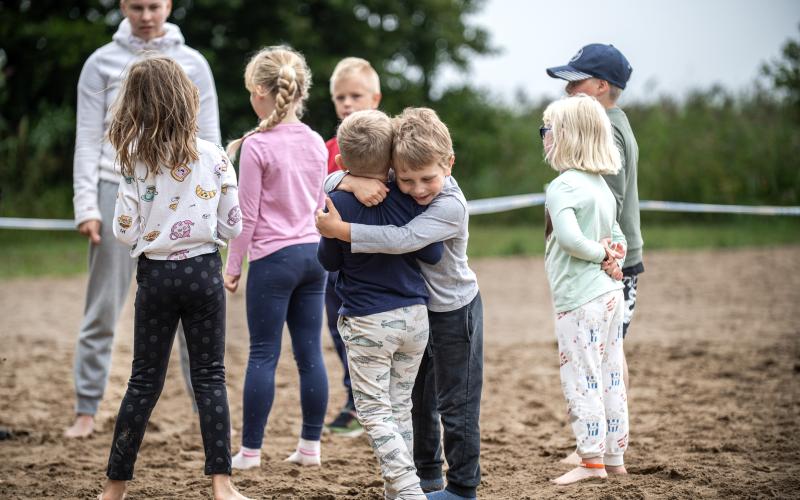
[579, 474]
[223, 488]
[113, 490]
[616, 469]
[571, 459]
[81, 428]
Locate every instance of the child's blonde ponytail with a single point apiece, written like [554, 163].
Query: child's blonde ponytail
[283, 73]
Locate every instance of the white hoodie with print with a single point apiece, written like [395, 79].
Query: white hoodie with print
[101, 76]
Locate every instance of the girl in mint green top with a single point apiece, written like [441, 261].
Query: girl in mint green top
[579, 207]
[583, 257]
[582, 212]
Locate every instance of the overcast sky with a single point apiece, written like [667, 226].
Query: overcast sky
[673, 46]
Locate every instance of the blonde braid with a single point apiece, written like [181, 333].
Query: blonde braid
[287, 89]
[285, 75]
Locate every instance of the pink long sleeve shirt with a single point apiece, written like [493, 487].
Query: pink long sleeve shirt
[281, 173]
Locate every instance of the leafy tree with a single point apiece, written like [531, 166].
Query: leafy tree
[785, 73]
[45, 43]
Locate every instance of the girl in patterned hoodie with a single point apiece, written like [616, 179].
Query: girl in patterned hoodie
[177, 205]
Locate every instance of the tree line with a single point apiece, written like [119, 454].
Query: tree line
[713, 147]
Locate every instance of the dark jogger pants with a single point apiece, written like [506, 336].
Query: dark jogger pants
[190, 290]
[448, 386]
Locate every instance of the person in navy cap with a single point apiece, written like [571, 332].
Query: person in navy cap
[601, 71]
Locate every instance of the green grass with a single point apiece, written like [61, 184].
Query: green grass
[64, 253]
[42, 253]
[711, 232]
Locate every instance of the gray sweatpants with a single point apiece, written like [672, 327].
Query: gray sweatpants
[110, 270]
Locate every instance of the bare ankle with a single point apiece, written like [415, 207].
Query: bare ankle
[113, 490]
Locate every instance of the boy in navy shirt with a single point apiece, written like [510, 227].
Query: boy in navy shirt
[383, 320]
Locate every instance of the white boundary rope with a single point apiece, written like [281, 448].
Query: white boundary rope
[484, 206]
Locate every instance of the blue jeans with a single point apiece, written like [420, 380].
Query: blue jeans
[287, 286]
[448, 386]
[332, 305]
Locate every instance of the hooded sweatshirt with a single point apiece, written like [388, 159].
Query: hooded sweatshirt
[100, 80]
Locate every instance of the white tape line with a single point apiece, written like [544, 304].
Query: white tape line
[504, 203]
[19, 223]
[485, 206]
[676, 206]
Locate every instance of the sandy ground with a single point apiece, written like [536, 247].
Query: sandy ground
[714, 355]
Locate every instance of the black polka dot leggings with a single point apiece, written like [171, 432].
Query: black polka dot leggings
[190, 290]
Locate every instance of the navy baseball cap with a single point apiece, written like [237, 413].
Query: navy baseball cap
[595, 60]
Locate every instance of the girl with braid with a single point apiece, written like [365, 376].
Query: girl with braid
[282, 167]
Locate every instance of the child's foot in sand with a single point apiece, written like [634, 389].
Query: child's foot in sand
[580, 473]
[223, 488]
[81, 428]
[307, 453]
[113, 490]
[616, 469]
[571, 459]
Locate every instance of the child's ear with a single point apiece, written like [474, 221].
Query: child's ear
[448, 170]
[339, 162]
[376, 100]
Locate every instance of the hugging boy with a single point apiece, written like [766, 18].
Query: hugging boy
[383, 320]
[450, 378]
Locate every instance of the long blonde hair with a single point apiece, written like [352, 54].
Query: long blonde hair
[582, 136]
[283, 73]
[154, 117]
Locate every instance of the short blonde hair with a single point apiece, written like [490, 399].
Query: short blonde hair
[154, 117]
[350, 66]
[582, 136]
[420, 138]
[283, 73]
[365, 142]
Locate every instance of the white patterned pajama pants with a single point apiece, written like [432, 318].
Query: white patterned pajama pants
[590, 350]
[384, 351]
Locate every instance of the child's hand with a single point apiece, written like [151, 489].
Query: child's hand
[231, 282]
[369, 192]
[611, 267]
[91, 229]
[613, 250]
[330, 223]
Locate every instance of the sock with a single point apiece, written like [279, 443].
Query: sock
[307, 453]
[247, 458]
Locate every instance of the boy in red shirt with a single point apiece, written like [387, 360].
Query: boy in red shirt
[355, 86]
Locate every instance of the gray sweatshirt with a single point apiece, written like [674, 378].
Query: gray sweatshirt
[101, 76]
[451, 283]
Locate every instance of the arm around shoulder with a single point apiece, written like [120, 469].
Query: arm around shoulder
[443, 220]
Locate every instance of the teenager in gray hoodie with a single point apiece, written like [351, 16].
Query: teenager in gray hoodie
[96, 178]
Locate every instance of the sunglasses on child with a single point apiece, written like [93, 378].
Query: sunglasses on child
[543, 131]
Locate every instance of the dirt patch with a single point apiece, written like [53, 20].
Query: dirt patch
[714, 356]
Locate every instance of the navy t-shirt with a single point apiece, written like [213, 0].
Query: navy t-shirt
[370, 283]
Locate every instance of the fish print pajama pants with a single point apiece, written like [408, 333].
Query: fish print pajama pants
[384, 351]
[590, 350]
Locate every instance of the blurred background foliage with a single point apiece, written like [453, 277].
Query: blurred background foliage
[714, 146]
